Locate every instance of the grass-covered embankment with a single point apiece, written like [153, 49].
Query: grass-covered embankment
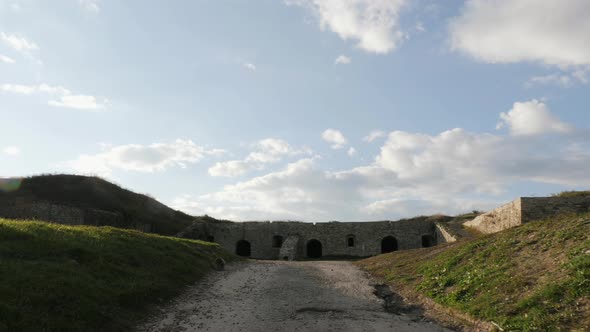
[533, 277]
[80, 278]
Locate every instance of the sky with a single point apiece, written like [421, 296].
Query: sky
[311, 110]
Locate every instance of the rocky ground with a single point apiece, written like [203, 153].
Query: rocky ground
[288, 296]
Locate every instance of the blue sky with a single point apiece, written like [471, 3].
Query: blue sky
[312, 110]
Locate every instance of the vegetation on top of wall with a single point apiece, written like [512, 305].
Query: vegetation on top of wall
[95, 193]
[532, 277]
[84, 278]
[572, 193]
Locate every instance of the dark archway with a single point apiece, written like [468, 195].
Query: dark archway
[314, 249]
[428, 241]
[388, 244]
[350, 240]
[243, 248]
[210, 238]
[277, 241]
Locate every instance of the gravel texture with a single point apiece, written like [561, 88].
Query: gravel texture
[286, 296]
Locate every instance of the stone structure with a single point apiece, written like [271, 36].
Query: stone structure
[61, 214]
[297, 240]
[525, 209]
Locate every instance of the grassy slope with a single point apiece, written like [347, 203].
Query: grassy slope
[533, 277]
[81, 278]
[96, 193]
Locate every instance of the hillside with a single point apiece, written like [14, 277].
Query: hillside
[93, 193]
[532, 277]
[83, 278]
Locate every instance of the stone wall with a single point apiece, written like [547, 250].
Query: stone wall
[504, 217]
[443, 234]
[332, 235]
[525, 209]
[67, 215]
[535, 208]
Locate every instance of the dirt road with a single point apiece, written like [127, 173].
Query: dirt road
[284, 296]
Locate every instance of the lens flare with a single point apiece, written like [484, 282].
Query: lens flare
[10, 184]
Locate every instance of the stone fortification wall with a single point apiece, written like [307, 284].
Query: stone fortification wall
[333, 236]
[504, 217]
[67, 215]
[527, 209]
[535, 208]
[443, 234]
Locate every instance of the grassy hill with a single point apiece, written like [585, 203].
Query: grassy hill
[533, 277]
[95, 193]
[82, 278]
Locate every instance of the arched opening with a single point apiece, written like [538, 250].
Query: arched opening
[388, 244]
[314, 249]
[243, 248]
[350, 240]
[210, 238]
[277, 241]
[428, 241]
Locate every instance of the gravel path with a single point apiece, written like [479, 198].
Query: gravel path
[283, 296]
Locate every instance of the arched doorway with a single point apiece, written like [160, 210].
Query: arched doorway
[388, 244]
[243, 248]
[314, 249]
[428, 241]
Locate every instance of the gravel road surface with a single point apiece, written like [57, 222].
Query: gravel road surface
[285, 296]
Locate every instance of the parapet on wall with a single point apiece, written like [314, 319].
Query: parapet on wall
[525, 209]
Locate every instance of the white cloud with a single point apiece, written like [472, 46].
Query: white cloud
[373, 23]
[414, 173]
[141, 158]
[269, 150]
[18, 43]
[5, 59]
[532, 118]
[65, 98]
[375, 134]
[335, 138]
[250, 66]
[80, 102]
[32, 89]
[562, 79]
[11, 150]
[342, 60]
[351, 152]
[546, 31]
[90, 5]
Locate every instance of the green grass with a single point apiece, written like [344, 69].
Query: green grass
[535, 277]
[81, 278]
[572, 193]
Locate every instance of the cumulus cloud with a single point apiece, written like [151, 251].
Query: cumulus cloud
[374, 24]
[5, 59]
[11, 150]
[375, 134]
[532, 118]
[65, 98]
[413, 173]
[545, 31]
[335, 138]
[342, 60]
[269, 150]
[151, 158]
